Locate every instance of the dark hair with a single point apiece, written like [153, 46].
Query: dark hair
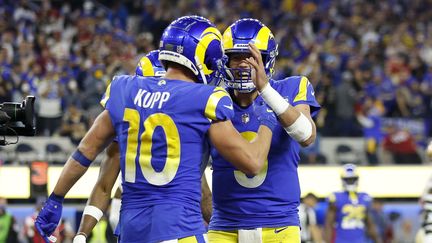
[311, 195]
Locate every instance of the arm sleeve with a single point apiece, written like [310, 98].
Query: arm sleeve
[114, 102]
[219, 105]
[106, 95]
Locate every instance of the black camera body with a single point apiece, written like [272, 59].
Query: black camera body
[18, 119]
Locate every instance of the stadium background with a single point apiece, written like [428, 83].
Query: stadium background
[369, 61]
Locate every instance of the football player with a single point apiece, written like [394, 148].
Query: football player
[161, 125]
[347, 218]
[148, 66]
[261, 208]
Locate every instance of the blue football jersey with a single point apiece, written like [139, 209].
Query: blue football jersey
[271, 198]
[351, 212]
[161, 126]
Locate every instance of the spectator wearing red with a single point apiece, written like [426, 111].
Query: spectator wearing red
[401, 145]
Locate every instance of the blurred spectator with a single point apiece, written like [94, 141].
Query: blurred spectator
[75, 124]
[310, 232]
[64, 232]
[369, 116]
[8, 233]
[311, 154]
[346, 98]
[380, 219]
[30, 231]
[51, 91]
[405, 233]
[102, 232]
[401, 145]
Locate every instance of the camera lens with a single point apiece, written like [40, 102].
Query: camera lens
[13, 110]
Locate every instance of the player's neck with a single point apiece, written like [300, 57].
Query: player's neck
[244, 99]
[178, 72]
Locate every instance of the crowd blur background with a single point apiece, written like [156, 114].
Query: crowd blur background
[370, 63]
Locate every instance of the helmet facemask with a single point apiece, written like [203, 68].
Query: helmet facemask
[350, 184]
[236, 39]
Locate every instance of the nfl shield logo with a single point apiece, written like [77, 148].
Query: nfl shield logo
[245, 118]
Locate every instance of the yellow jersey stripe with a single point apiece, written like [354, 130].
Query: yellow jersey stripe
[213, 100]
[227, 39]
[353, 196]
[262, 39]
[146, 67]
[107, 96]
[301, 95]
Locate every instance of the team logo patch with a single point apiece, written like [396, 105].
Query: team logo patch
[179, 49]
[161, 82]
[245, 118]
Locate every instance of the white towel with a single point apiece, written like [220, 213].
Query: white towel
[250, 236]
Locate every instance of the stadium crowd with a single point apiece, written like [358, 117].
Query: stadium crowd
[365, 58]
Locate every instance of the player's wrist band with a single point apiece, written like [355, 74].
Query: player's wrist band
[56, 198]
[81, 237]
[81, 158]
[274, 99]
[93, 211]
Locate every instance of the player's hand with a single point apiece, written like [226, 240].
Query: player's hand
[260, 80]
[48, 218]
[265, 115]
[79, 239]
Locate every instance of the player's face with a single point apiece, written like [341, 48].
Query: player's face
[350, 184]
[238, 60]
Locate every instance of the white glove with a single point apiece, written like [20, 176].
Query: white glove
[79, 239]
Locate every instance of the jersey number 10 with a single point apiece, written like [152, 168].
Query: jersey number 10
[144, 151]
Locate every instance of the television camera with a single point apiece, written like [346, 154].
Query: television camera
[17, 119]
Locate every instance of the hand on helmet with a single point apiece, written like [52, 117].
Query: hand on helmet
[256, 62]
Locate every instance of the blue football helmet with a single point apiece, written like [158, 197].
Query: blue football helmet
[349, 176]
[194, 42]
[236, 39]
[149, 65]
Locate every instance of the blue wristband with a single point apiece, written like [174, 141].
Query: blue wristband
[78, 156]
[56, 198]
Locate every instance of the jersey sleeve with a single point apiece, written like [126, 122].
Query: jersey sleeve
[114, 103]
[107, 94]
[219, 105]
[299, 90]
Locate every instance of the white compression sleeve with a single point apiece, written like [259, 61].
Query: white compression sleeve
[301, 129]
[93, 211]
